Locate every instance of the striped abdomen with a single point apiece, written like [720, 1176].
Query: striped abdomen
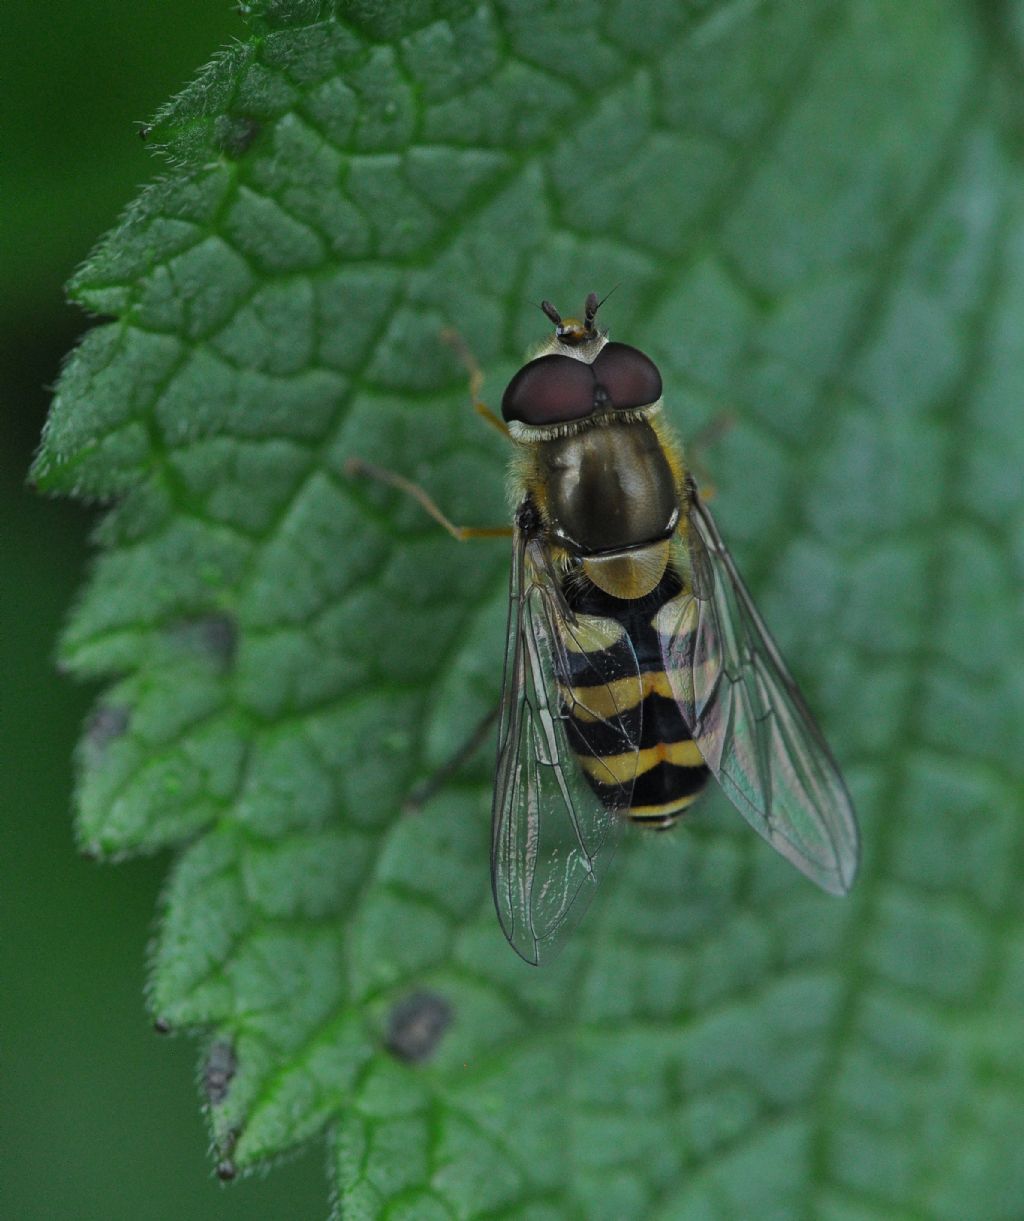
[669, 772]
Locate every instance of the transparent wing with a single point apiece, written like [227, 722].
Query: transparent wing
[749, 719]
[552, 835]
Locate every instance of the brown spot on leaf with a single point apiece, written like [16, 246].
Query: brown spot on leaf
[235, 134]
[214, 636]
[416, 1026]
[219, 1069]
[106, 723]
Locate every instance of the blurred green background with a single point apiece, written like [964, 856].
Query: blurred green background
[101, 1115]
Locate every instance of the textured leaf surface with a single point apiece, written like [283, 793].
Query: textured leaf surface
[816, 214]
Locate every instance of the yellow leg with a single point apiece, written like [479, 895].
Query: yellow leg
[476, 379]
[357, 467]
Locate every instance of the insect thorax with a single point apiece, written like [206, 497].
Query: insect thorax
[608, 488]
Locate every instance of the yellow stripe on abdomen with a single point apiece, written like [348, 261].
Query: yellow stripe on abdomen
[621, 769]
[659, 813]
[611, 699]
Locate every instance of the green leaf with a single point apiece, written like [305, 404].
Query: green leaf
[816, 215]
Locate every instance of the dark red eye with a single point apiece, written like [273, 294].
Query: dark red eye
[629, 378]
[549, 390]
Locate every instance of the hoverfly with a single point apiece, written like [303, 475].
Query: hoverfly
[636, 664]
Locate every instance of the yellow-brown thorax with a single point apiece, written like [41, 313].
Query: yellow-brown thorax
[609, 497]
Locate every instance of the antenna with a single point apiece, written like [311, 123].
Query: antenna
[593, 305]
[552, 313]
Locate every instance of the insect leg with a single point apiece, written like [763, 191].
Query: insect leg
[357, 467]
[426, 789]
[476, 379]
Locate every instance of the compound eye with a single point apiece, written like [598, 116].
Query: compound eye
[549, 390]
[629, 378]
